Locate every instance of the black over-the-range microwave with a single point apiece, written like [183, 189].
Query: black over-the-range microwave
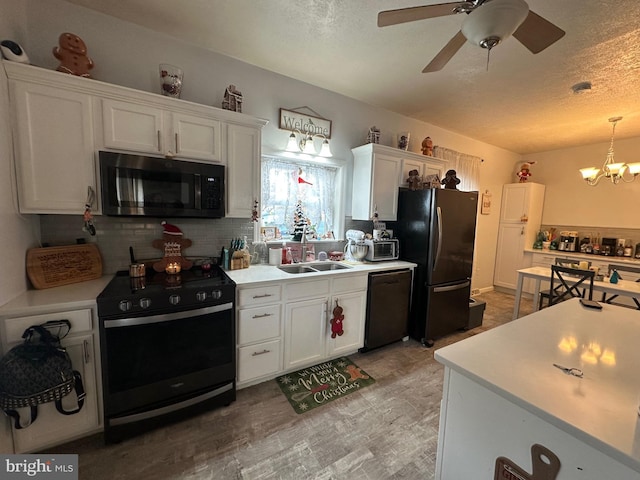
[160, 187]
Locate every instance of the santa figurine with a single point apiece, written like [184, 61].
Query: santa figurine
[524, 172]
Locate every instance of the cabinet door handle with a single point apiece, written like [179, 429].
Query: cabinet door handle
[85, 351]
[263, 296]
[177, 143]
[255, 354]
[263, 315]
[159, 146]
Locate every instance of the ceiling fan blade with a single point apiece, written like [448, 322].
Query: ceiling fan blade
[446, 54]
[536, 33]
[403, 15]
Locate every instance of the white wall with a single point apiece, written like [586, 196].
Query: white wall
[570, 201]
[17, 233]
[129, 55]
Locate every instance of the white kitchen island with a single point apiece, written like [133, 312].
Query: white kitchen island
[502, 394]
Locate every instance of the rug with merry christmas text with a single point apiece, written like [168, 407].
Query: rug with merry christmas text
[314, 386]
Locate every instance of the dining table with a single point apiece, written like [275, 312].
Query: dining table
[625, 288]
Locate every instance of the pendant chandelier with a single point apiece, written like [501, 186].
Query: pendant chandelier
[610, 169]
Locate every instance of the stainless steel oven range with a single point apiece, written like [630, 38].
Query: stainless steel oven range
[167, 347]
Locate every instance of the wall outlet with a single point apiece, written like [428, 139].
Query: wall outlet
[475, 291]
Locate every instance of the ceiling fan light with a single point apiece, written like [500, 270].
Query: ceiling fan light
[498, 18]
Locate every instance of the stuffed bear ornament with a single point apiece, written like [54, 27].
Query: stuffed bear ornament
[336, 322]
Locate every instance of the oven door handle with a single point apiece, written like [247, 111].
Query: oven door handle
[166, 317]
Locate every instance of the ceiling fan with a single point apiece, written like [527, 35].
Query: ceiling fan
[488, 22]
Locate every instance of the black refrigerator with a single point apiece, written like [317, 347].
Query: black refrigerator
[436, 229]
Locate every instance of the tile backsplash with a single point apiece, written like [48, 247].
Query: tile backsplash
[114, 235]
[630, 234]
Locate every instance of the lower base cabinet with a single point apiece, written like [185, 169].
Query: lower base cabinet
[51, 427]
[286, 327]
[305, 325]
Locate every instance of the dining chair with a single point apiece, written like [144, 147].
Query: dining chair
[563, 262]
[622, 268]
[573, 282]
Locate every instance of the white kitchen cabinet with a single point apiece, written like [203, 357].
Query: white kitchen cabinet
[60, 121]
[425, 165]
[51, 427]
[354, 307]
[376, 170]
[520, 217]
[305, 321]
[522, 203]
[259, 327]
[350, 292]
[305, 327]
[53, 148]
[156, 129]
[243, 169]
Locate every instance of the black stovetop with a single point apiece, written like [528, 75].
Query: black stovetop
[159, 291]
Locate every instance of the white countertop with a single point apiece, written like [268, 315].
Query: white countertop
[516, 361]
[269, 273]
[587, 256]
[73, 296]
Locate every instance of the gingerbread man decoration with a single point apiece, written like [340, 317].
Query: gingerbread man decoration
[171, 244]
[72, 54]
[427, 147]
[355, 373]
[336, 321]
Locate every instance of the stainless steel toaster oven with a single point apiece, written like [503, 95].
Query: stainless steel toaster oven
[380, 250]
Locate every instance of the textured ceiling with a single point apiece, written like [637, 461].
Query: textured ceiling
[524, 103]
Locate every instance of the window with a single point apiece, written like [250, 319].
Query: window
[299, 192]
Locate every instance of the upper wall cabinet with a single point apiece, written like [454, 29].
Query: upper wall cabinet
[378, 171]
[143, 128]
[53, 142]
[60, 121]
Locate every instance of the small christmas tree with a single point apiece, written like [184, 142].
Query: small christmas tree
[299, 222]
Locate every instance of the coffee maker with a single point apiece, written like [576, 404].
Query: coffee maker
[568, 241]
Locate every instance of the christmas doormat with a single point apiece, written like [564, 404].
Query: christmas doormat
[314, 386]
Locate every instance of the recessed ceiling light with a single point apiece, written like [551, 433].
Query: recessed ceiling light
[581, 87]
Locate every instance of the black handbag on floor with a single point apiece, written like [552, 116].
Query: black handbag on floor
[37, 371]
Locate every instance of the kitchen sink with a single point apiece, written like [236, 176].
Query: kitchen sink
[296, 269]
[324, 266]
[312, 267]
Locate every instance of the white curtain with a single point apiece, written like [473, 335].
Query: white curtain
[285, 182]
[467, 167]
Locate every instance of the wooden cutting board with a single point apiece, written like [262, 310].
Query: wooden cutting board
[54, 266]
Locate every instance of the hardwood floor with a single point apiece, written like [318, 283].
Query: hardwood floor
[388, 430]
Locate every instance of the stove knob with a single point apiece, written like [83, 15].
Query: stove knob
[174, 299]
[201, 296]
[216, 294]
[145, 302]
[125, 305]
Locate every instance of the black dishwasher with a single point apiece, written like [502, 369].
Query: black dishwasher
[388, 300]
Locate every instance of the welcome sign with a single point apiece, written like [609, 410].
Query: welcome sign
[307, 124]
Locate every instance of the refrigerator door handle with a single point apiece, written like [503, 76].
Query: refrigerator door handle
[439, 248]
[450, 288]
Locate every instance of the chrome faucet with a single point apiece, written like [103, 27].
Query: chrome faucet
[303, 243]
